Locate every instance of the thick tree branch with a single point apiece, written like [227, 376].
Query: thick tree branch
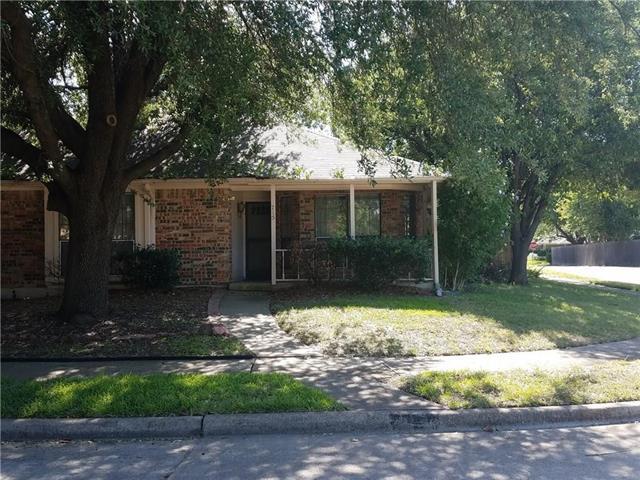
[101, 96]
[19, 55]
[142, 73]
[155, 158]
[17, 147]
[69, 130]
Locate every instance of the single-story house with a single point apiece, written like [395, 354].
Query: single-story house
[241, 230]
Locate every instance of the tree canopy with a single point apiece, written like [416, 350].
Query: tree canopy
[539, 93]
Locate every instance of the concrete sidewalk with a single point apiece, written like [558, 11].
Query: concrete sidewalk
[542, 359]
[629, 275]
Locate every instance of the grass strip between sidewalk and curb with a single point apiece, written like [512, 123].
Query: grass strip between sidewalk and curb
[614, 381]
[130, 395]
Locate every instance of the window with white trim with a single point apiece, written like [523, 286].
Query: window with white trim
[123, 240]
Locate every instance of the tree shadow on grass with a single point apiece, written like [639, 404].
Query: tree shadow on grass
[565, 315]
[160, 395]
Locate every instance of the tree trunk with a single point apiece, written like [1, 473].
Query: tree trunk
[519, 253]
[86, 282]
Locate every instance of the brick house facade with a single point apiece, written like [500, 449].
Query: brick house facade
[207, 225]
[229, 232]
[198, 223]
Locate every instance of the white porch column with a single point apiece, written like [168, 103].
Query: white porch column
[150, 216]
[51, 241]
[273, 234]
[434, 229]
[352, 211]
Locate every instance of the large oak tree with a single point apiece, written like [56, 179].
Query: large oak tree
[96, 94]
[538, 92]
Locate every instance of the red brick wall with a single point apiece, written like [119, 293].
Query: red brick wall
[198, 223]
[392, 213]
[22, 234]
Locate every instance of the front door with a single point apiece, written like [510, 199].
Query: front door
[258, 232]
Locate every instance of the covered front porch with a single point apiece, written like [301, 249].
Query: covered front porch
[273, 221]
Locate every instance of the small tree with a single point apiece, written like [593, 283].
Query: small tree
[473, 226]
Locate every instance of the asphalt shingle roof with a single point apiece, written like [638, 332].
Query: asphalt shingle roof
[322, 156]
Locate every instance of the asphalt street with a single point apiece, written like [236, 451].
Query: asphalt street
[599, 452]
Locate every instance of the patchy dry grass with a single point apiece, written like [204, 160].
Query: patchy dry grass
[140, 323]
[607, 382]
[160, 395]
[493, 318]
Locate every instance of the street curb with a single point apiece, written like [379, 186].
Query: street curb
[416, 421]
[90, 428]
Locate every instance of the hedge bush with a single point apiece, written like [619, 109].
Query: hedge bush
[151, 268]
[378, 261]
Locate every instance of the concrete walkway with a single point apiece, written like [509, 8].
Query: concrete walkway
[247, 316]
[359, 383]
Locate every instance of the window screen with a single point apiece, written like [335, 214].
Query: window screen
[367, 215]
[331, 212]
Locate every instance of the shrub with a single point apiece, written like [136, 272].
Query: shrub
[151, 268]
[544, 253]
[314, 262]
[472, 224]
[378, 261]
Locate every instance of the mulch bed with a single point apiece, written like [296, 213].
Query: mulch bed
[140, 323]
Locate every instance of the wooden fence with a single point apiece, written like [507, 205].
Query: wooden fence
[619, 254]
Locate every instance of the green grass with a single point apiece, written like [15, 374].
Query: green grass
[537, 262]
[493, 318]
[162, 346]
[160, 395]
[611, 284]
[610, 382]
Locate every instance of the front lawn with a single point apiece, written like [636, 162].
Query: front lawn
[160, 395]
[610, 382]
[493, 318]
[140, 323]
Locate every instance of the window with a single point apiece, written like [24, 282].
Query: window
[367, 215]
[332, 214]
[409, 212]
[123, 234]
